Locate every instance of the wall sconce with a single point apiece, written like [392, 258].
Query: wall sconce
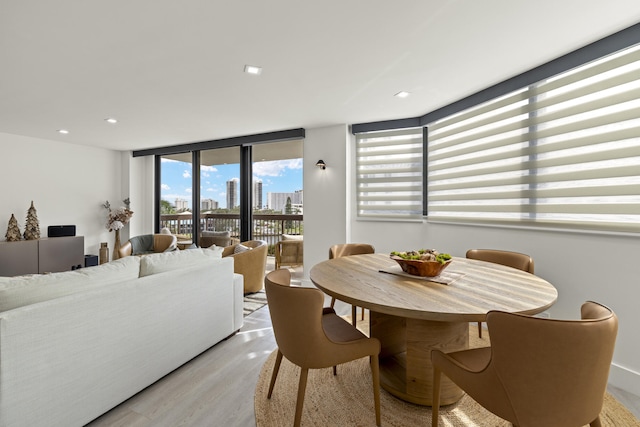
[321, 164]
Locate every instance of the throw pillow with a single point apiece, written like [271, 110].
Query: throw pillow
[241, 248]
[217, 250]
[292, 237]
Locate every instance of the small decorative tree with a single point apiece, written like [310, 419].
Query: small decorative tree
[32, 227]
[13, 231]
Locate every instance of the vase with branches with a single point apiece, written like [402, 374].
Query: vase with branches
[116, 220]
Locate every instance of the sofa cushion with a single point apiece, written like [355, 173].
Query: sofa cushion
[165, 261]
[24, 290]
[292, 237]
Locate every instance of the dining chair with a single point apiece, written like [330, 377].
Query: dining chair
[313, 337]
[511, 259]
[537, 372]
[348, 249]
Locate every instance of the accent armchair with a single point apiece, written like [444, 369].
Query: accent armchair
[149, 244]
[289, 251]
[249, 259]
[218, 238]
[537, 372]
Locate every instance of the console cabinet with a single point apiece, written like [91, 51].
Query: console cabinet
[48, 255]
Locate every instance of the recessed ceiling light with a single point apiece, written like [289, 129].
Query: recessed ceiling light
[252, 69]
[63, 131]
[111, 120]
[402, 94]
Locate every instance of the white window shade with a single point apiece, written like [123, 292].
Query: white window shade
[389, 174]
[563, 152]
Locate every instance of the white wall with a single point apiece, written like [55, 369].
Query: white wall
[599, 267]
[325, 197]
[67, 183]
[141, 192]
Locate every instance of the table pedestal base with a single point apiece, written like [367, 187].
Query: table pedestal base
[405, 358]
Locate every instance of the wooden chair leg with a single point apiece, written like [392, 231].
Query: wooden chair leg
[375, 375]
[435, 407]
[335, 371]
[480, 329]
[596, 422]
[302, 385]
[333, 302]
[354, 317]
[362, 318]
[276, 368]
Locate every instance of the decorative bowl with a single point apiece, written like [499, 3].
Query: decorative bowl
[421, 268]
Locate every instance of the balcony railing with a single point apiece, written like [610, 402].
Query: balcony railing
[268, 227]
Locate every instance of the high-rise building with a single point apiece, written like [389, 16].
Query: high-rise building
[278, 201]
[233, 187]
[208, 204]
[181, 204]
[257, 194]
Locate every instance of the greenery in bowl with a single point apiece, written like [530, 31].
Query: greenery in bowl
[423, 255]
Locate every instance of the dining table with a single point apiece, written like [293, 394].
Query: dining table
[412, 315]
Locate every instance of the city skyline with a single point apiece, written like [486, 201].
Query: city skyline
[278, 176]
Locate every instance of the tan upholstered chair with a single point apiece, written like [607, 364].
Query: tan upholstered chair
[537, 372]
[312, 337]
[289, 251]
[148, 244]
[511, 259]
[347, 249]
[250, 263]
[218, 238]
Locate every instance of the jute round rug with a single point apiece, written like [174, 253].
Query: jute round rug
[347, 400]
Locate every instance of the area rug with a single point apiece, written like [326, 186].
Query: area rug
[347, 400]
[254, 301]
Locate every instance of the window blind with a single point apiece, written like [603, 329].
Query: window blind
[562, 152]
[389, 174]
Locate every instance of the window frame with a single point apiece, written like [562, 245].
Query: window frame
[620, 40]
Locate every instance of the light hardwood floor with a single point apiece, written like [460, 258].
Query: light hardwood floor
[217, 387]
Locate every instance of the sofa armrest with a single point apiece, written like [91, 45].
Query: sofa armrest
[238, 301]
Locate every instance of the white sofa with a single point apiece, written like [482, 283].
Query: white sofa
[73, 345]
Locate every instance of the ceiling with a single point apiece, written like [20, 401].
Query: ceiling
[172, 72]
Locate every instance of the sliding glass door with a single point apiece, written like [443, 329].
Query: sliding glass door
[277, 190]
[229, 194]
[176, 195]
[220, 199]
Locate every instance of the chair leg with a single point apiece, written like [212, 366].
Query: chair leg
[596, 422]
[480, 329]
[435, 405]
[362, 318]
[276, 368]
[335, 371]
[333, 302]
[375, 375]
[301, 388]
[354, 317]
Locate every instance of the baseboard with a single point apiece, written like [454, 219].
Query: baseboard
[625, 378]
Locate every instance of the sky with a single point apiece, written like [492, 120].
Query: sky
[278, 176]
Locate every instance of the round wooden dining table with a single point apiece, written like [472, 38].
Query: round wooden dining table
[412, 315]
